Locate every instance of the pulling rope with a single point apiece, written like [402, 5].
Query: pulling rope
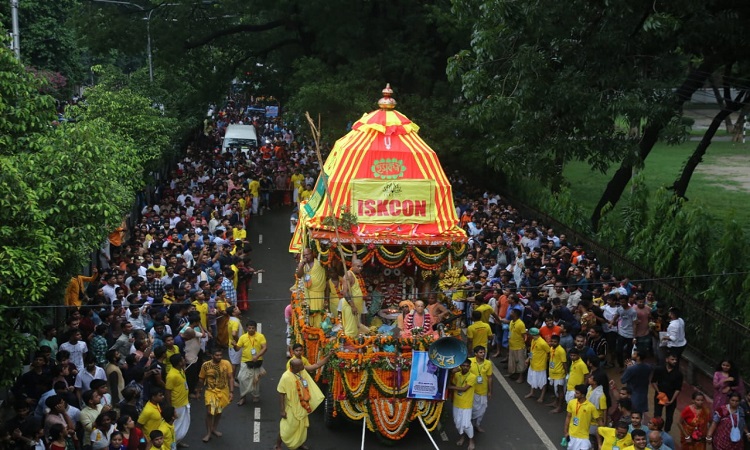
[428, 432]
[364, 427]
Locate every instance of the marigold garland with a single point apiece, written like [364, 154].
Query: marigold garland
[391, 416]
[304, 395]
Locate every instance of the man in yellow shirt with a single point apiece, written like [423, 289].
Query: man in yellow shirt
[581, 415]
[516, 346]
[557, 371]
[306, 193]
[484, 309]
[150, 417]
[537, 361]
[462, 384]
[640, 442]
[199, 301]
[609, 438]
[239, 233]
[253, 345]
[167, 427]
[479, 332]
[177, 396]
[577, 375]
[313, 275]
[295, 184]
[482, 368]
[254, 187]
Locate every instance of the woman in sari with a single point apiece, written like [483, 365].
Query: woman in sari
[727, 417]
[726, 379]
[694, 421]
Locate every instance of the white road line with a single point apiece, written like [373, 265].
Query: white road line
[257, 413]
[260, 239]
[260, 328]
[260, 277]
[256, 431]
[523, 409]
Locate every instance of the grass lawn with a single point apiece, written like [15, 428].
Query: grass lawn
[717, 183]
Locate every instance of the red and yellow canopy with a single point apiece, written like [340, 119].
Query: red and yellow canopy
[390, 179]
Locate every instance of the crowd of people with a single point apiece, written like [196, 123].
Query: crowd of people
[563, 323]
[157, 324]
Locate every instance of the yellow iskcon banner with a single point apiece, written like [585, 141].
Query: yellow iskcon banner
[393, 201]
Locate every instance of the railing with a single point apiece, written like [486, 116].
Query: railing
[711, 335]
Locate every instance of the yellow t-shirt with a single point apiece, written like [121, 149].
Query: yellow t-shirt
[485, 371]
[598, 301]
[150, 418]
[297, 180]
[578, 371]
[160, 271]
[304, 361]
[305, 194]
[202, 308]
[239, 234]
[486, 311]
[517, 340]
[479, 333]
[464, 400]
[460, 294]
[557, 360]
[539, 354]
[167, 299]
[251, 345]
[169, 435]
[254, 188]
[602, 403]
[234, 326]
[582, 416]
[175, 350]
[176, 384]
[610, 439]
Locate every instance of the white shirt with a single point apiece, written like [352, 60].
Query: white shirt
[676, 333]
[76, 353]
[84, 378]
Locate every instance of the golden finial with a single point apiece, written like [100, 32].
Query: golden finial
[387, 103]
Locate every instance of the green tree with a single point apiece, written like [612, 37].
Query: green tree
[547, 80]
[62, 189]
[48, 41]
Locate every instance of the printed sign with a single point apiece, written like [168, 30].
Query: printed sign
[397, 201]
[427, 381]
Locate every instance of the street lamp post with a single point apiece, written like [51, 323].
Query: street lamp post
[16, 33]
[148, 29]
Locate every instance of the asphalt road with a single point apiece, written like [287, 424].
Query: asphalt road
[256, 425]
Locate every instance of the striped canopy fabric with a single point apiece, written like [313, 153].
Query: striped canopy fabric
[384, 173]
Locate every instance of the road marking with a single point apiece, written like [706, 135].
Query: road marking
[260, 277]
[523, 409]
[260, 239]
[257, 413]
[256, 431]
[259, 329]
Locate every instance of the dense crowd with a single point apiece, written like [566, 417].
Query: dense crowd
[149, 329]
[154, 324]
[563, 323]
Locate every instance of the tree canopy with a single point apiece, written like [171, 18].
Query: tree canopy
[548, 82]
[63, 188]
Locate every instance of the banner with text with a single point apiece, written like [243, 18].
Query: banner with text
[396, 201]
[427, 381]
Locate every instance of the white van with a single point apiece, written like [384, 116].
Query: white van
[239, 137]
